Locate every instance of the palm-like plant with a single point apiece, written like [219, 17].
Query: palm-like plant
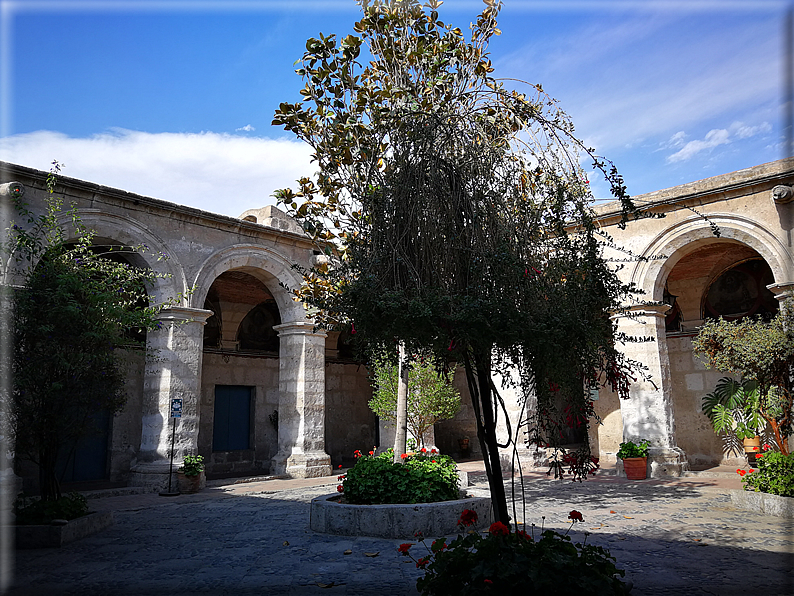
[735, 406]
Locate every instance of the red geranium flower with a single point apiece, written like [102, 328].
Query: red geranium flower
[405, 547]
[340, 488]
[467, 518]
[423, 450]
[357, 453]
[487, 581]
[422, 563]
[766, 447]
[757, 455]
[432, 451]
[523, 534]
[340, 466]
[404, 455]
[499, 529]
[575, 516]
[741, 472]
[372, 453]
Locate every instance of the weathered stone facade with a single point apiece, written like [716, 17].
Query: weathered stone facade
[237, 328]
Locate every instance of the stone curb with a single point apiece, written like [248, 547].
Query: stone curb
[328, 516]
[54, 536]
[763, 503]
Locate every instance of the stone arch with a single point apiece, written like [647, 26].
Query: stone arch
[129, 232]
[268, 266]
[694, 232]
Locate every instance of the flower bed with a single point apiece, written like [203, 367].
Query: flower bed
[770, 488]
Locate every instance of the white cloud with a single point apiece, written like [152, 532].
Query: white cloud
[715, 137]
[246, 128]
[743, 132]
[222, 173]
[675, 141]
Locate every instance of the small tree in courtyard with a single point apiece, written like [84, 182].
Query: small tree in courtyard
[761, 354]
[431, 396]
[78, 308]
[457, 212]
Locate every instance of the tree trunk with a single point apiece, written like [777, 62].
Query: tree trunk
[479, 382]
[402, 405]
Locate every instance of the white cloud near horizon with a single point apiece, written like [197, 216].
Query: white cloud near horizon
[713, 138]
[220, 173]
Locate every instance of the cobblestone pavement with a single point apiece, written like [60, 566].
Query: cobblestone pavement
[671, 537]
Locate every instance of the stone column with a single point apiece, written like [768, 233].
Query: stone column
[301, 402]
[173, 370]
[648, 413]
[784, 291]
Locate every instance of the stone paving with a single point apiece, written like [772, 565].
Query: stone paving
[671, 536]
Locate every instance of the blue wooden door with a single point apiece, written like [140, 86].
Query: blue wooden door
[232, 425]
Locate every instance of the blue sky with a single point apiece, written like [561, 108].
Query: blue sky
[174, 99]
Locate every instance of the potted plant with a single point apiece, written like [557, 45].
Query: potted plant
[191, 474]
[635, 459]
[734, 406]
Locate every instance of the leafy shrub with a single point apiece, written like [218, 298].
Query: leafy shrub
[31, 511]
[425, 477]
[508, 563]
[192, 465]
[631, 449]
[775, 474]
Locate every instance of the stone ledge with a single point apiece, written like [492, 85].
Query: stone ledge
[329, 516]
[52, 536]
[763, 503]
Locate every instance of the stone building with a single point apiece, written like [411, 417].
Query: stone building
[263, 392]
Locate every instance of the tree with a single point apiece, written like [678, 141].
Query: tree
[457, 212]
[431, 397]
[761, 354]
[73, 321]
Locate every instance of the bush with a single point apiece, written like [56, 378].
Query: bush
[775, 474]
[425, 477]
[31, 511]
[508, 563]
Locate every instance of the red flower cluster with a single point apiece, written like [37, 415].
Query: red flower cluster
[743, 472]
[499, 529]
[766, 447]
[423, 450]
[405, 547]
[422, 563]
[467, 518]
[342, 477]
[487, 581]
[340, 488]
[357, 454]
[372, 453]
[523, 534]
[575, 516]
[404, 455]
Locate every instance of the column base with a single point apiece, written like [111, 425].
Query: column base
[153, 476]
[303, 465]
[667, 462]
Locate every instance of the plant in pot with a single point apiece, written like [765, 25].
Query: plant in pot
[734, 407]
[191, 474]
[635, 459]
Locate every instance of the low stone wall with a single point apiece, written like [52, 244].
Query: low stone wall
[763, 503]
[330, 516]
[56, 535]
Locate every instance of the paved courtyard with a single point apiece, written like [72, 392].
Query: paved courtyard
[678, 536]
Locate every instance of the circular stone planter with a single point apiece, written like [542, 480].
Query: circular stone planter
[330, 516]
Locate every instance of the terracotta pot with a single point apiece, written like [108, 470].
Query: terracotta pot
[636, 468]
[191, 484]
[752, 445]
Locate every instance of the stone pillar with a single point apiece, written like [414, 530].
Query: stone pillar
[172, 371]
[301, 402]
[648, 413]
[784, 291]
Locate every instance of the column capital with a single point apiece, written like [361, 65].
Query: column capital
[299, 328]
[782, 290]
[184, 313]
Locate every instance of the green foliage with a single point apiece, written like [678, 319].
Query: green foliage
[632, 449]
[29, 511]
[79, 306]
[454, 212]
[514, 563]
[775, 474]
[431, 396]
[193, 465]
[761, 353]
[421, 478]
[734, 406]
